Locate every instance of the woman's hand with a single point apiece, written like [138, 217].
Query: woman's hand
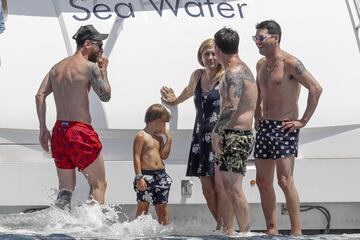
[168, 95]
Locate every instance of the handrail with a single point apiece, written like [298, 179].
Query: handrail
[354, 9]
[357, 8]
[63, 27]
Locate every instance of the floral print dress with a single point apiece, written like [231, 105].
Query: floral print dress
[201, 159]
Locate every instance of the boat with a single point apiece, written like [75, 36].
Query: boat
[153, 43]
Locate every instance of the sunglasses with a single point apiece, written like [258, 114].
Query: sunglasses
[261, 38]
[99, 44]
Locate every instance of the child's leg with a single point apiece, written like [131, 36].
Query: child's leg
[142, 208]
[162, 213]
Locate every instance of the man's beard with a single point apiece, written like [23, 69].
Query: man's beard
[93, 58]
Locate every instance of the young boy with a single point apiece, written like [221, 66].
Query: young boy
[151, 146]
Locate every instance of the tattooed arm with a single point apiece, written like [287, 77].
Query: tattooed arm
[298, 71]
[99, 80]
[233, 87]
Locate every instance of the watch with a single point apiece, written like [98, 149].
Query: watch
[138, 177]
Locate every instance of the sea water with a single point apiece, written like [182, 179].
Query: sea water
[89, 222]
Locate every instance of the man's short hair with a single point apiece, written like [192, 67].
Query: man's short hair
[88, 32]
[227, 40]
[272, 27]
[157, 111]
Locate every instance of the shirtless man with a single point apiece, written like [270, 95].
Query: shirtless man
[74, 143]
[279, 78]
[151, 146]
[232, 136]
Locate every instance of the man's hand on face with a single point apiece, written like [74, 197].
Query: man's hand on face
[103, 63]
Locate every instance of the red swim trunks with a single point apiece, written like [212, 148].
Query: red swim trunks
[74, 144]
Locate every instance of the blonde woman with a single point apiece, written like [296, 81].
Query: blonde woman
[204, 86]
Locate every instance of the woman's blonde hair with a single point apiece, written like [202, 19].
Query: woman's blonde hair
[209, 43]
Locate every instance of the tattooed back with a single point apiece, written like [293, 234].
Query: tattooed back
[238, 96]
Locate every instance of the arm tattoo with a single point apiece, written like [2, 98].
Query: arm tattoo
[224, 118]
[299, 67]
[100, 83]
[233, 86]
[234, 81]
[247, 74]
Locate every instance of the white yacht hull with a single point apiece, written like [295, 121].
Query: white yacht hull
[327, 178]
[149, 49]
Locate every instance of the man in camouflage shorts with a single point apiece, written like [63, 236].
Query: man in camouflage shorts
[237, 146]
[232, 138]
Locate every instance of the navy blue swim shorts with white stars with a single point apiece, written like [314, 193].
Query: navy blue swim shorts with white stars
[272, 142]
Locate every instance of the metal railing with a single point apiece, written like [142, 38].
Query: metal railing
[357, 9]
[354, 12]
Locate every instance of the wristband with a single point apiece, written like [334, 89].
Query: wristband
[138, 177]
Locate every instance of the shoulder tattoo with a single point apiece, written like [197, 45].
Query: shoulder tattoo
[299, 67]
[235, 79]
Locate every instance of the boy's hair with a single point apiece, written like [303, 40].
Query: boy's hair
[157, 111]
[272, 27]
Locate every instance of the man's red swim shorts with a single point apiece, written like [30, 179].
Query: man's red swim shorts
[74, 144]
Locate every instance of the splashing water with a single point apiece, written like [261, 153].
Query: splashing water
[110, 222]
[93, 221]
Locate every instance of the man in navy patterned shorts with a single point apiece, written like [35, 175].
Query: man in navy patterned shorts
[279, 79]
[272, 142]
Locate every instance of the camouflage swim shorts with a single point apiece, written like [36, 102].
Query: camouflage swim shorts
[237, 146]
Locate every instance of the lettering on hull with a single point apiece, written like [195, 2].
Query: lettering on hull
[194, 9]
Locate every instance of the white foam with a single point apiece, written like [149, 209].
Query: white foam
[82, 221]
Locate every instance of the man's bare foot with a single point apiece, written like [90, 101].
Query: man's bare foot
[228, 232]
[272, 232]
[272, 229]
[296, 233]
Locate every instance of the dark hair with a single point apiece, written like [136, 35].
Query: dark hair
[227, 40]
[157, 111]
[88, 32]
[272, 27]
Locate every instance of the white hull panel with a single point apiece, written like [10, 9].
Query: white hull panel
[326, 179]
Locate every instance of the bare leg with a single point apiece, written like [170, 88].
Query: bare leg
[233, 186]
[67, 181]
[95, 175]
[209, 192]
[264, 179]
[285, 169]
[142, 208]
[225, 210]
[162, 213]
